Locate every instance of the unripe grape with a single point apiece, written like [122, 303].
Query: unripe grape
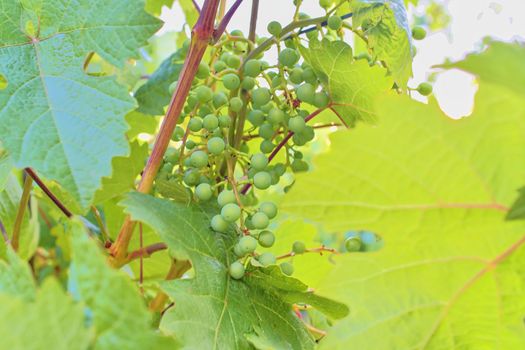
[204, 94]
[199, 159]
[190, 144]
[233, 61]
[279, 169]
[224, 121]
[252, 68]
[424, 89]
[219, 66]
[236, 104]
[219, 99]
[231, 212]
[226, 197]
[298, 247]
[203, 71]
[290, 44]
[231, 81]
[275, 116]
[172, 156]
[299, 165]
[419, 33]
[195, 124]
[288, 57]
[216, 145]
[266, 108]
[266, 146]
[325, 3]
[178, 134]
[256, 117]
[248, 83]
[259, 161]
[274, 28]
[191, 177]
[260, 220]
[287, 268]
[278, 83]
[261, 96]
[172, 87]
[296, 75]
[306, 93]
[266, 239]
[262, 180]
[210, 122]
[204, 111]
[353, 244]
[309, 76]
[269, 208]
[247, 244]
[321, 99]
[296, 124]
[267, 259]
[204, 191]
[335, 22]
[266, 131]
[236, 270]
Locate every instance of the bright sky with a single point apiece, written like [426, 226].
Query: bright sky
[472, 20]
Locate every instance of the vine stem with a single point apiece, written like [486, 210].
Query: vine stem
[319, 250]
[202, 33]
[48, 192]
[177, 269]
[147, 251]
[253, 20]
[24, 200]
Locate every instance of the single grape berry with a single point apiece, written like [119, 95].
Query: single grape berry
[274, 28]
[321, 99]
[195, 124]
[219, 66]
[260, 220]
[216, 145]
[256, 117]
[419, 33]
[298, 247]
[248, 83]
[236, 104]
[288, 57]
[210, 122]
[296, 124]
[287, 268]
[267, 146]
[259, 161]
[261, 96]
[204, 94]
[266, 239]
[226, 197]
[299, 165]
[353, 244]
[236, 270]
[219, 224]
[233, 61]
[204, 191]
[275, 116]
[203, 71]
[178, 134]
[335, 22]
[190, 144]
[296, 75]
[262, 180]
[219, 99]
[309, 76]
[252, 68]
[199, 159]
[306, 93]
[231, 81]
[267, 259]
[269, 208]
[224, 121]
[424, 89]
[231, 212]
[325, 3]
[247, 244]
[266, 131]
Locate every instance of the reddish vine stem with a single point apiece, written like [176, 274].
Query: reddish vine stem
[225, 20]
[202, 33]
[253, 20]
[320, 126]
[24, 201]
[48, 192]
[319, 250]
[147, 251]
[197, 7]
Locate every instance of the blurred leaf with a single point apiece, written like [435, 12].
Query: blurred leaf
[16, 278]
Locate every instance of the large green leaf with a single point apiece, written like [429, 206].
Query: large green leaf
[120, 318]
[437, 191]
[16, 278]
[213, 310]
[385, 25]
[352, 84]
[53, 117]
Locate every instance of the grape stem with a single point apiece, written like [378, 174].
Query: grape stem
[146, 252]
[202, 33]
[319, 250]
[100, 223]
[253, 20]
[320, 126]
[24, 201]
[225, 20]
[197, 7]
[48, 192]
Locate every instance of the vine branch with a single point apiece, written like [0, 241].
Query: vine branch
[48, 192]
[253, 20]
[24, 201]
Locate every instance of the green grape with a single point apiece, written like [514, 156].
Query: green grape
[280, 169]
[296, 124]
[288, 57]
[287, 268]
[252, 68]
[203, 71]
[303, 15]
[248, 83]
[237, 32]
[299, 165]
[231, 212]
[262, 180]
[261, 96]
[192, 101]
[267, 259]
[219, 99]
[199, 159]
[275, 116]
[424, 89]
[226, 197]
[274, 28]
[210, 122]
[248, 223]
[204, 111]
[244, 148]
[259, 161]
[260, 220]
[167, 168]
[321, 99]
[191, 178]
[204, 94]
[266, 131]
[266, 239]
[233, 61]
[178, 134]
[266, 108]
[236, 104]
[256, 117]
[309, 76]
[172, 155]
[231, 81]
[236, 270]
[278, 83]
[237, 251]
[269, 208]
[224, 56]
[419, 33]
[298, 247]
[190, 144]
[195, 124]
[335, 22]
[266, 146]
[298, 155]
[217, 132]
[204, 192]
[172, 87]
[290, 43]
[296, 75]
[325, 4]
[353, 244]
[219, 66]
[247, 244]
[306, 93]
[224, 121]
[216, 145]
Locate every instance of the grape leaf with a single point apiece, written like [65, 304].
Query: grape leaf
[385, 25]
[54, 117]
[52, 321]
[155, 6]
[6, 166]
[120, 318]
[517, 211]
[224, 309]
[437, 191]
[352, 84]
[16, 278]
[154, 95]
